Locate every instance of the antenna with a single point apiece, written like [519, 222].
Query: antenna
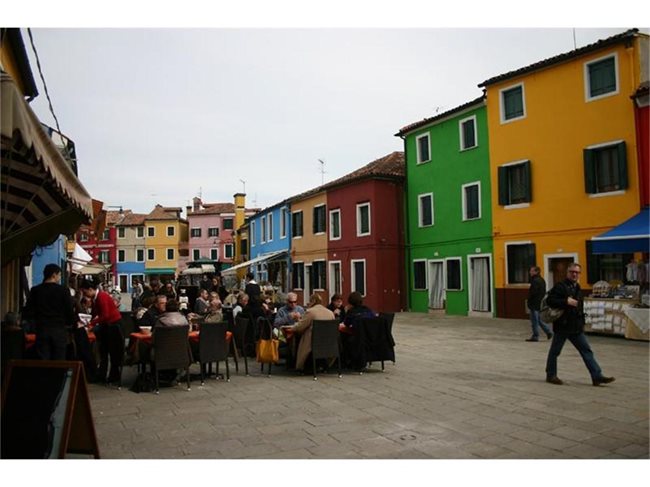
[255, 201]
[322, 171]
[200, 192]
[575, 46]
[244, 183]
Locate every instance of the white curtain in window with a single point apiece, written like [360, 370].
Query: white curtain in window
[436, 289]
[480, 284]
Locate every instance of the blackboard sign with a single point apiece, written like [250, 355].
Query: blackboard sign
[46, 411]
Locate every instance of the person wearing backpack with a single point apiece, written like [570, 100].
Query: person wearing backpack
[536, 293]
[566, 295]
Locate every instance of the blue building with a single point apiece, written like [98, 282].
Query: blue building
[55, 253]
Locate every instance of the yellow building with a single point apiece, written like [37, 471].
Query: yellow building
[165, 231]
[563, 162]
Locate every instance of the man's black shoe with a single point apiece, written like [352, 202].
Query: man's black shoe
[603, 380]
[549, 336]
[554, 380]
[532, 339]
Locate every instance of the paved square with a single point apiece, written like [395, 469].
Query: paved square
[462, 388]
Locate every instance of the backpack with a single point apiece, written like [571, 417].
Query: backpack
[548, 314]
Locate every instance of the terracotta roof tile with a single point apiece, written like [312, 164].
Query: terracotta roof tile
[164, 213]
[132, 219]
[114, 217]
[219, 208]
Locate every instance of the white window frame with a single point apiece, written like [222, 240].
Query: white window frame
[313, 211]
[587, 79]
[215, 249]
[324, 261]
[303, 274]
[464, 201]
[283, 222]
[107, 234]
[123, 231]
[217, 232]
[263, 229]
[232, 251]
[460, 267]
[167, 254]
[417, 148]
[426, 275]
[151, 231]
[516, 206]
[359, 206]
[192, 231]
[330, 277]
[462, 134]
[144, 254]
[252, 233]
[123, 252]
[138, 231]
[615, 192]
[420, 216]
[269, 231]
[336, 211]
[194, 257]
[470, 284]
[101, 260]
[173, 231]
[83, 237]
[353, 276]
[153, 252]
[505, 270]
[502, 108]
[303, 224]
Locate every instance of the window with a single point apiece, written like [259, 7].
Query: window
[263, 229]
[104, 257]
[213, 232]
[170, 231]
[606, 267]
[151, 231]
[106, 234]
[195, 232]
[252, 233]
[453, 274]
[319, 220]
[363, 219]
[196, 254]
[423, 148]
[298, 275]
[471, 201]
[513, 106]
[519, 259]
[515, 184]
[228, 224]
[120, 232]
[601, 77]
[425, 210]
[335, 224]
[420, 274]
[121, 256]
[243, 246]
[83, 237]
[359, 276]
[283, 222]
[467, 128]
[269, 231]
[170, 254]
[605, 168]
[139, 232]
[229, 251]
[139, 255]
[214, 254]
[151, 254]
[296, 224]
[318, 275]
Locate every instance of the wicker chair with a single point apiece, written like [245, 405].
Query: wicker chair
[325, 342]
[213, 347]
[239, 331]
[171, 350]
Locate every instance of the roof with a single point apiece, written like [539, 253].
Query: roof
[642, 90]
[219, 208]
[164, 213]
[132, 219]
[567, 56]
[416, 125]
[15, 42]
[390, 166]
[113, 217]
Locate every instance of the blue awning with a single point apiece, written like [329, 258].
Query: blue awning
[632, 235]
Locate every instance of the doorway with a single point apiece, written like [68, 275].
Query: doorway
[436, 285]
[308, 285]
[335, 278]
[555, 267]
[123, 282]
[480, 289]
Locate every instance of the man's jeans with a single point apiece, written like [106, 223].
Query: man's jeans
[536, 323]
[582, 346]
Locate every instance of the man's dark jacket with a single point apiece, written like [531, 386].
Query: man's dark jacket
[572, 320]
[536, 292]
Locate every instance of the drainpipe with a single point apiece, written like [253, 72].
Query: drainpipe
[407, 239]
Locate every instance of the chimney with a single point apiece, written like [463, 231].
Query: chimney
[196, 203]
[188, 209]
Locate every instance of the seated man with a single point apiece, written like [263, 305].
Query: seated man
[215, 314]
[150, 316]
[290, 313]
[201, 304]
[171, 317]
[356, 310]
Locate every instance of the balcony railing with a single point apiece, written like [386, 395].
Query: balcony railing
[65, 145]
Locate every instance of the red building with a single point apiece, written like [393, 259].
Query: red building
[366, 234]
[100, 241]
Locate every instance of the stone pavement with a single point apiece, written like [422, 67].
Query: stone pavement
[462, 388]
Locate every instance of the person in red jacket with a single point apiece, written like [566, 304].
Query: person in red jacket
[106, 322]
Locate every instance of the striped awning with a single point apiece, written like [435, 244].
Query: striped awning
[41, 196]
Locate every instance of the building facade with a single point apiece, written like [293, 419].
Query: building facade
[165, 230]
[448, 212]
[131, 250]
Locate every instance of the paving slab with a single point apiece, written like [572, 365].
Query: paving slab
[461, 388]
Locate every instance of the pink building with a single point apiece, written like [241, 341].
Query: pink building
[212, 232]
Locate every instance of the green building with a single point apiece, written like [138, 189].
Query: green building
[448, 212]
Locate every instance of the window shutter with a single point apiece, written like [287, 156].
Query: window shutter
[593, 271]
[590, 171]
[622, 165]
[527, 182]
[503, 186]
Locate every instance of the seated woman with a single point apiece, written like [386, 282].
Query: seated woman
[171, 316]
[336, 307]
[356, 310]
[351, 343]
[214, 312]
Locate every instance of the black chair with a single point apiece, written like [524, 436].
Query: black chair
[375, 342]
[325, 342]
[390, 318]
[128, 323]
[213, 347]
[239, 334]
[170, 350]
[13, 347]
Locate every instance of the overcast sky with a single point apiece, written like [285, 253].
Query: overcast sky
[160, 115]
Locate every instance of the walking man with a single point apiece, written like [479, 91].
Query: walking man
[536, 293]
[566, 295]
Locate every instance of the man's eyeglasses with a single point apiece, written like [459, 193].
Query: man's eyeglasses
[575, 272]
[292, 302]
